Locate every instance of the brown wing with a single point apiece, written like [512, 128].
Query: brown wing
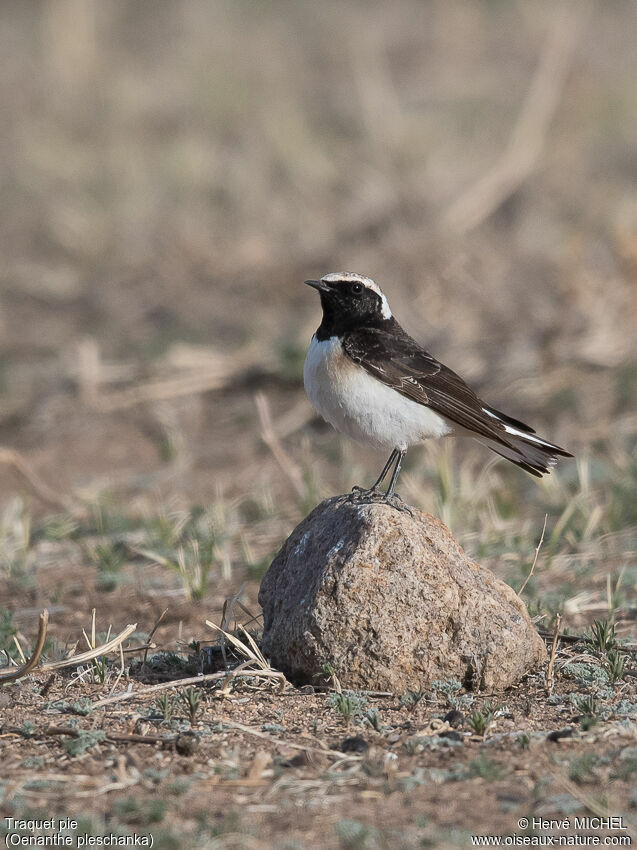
[398, 361]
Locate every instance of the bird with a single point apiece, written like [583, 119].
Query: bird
[372, 381]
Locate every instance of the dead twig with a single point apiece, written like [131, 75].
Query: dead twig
[143, 647]
[529, 134]
[29, 666]
[152, 632]
[47, 685]
[563, 637]
[250, 651]
[162, 686]
[110, 737]
[191, 680]
[327, 689]
[288, 744]
[630, 650]
[537, 552]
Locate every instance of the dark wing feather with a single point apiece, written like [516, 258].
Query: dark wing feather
[395, 359]
[398, 361]
[509, 420]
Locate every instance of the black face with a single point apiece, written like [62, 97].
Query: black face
[347, 305]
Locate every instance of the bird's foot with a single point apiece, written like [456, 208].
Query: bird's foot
[395, 501]
[364, 490]
[373, 495]
[365, 494]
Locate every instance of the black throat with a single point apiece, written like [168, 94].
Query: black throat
[337, 322]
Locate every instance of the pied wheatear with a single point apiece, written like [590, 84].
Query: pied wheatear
[369, 379]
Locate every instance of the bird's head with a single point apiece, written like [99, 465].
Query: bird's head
[350, 300]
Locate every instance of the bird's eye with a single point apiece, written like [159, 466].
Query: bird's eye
[357, 288]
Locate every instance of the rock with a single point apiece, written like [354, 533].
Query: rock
[355, 744]
[186, 743]
[391, 602]
[560, 733]
[452, 735]
[454, 718]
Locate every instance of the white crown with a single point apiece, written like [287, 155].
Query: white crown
[352, 277]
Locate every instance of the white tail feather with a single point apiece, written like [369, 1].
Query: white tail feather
[524, 435]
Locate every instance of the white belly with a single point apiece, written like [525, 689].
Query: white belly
[362, 407]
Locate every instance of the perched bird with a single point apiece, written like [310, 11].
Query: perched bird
[369, 379]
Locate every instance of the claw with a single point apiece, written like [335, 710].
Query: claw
[367, 491]
[363, 495]
[397, 503]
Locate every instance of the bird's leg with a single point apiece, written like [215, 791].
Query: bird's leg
[394, 478]
[391, 497]
[374, 488]
[386, 468]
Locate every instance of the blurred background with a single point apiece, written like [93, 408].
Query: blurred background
[171, 173]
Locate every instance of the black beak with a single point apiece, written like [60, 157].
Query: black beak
[318, 284]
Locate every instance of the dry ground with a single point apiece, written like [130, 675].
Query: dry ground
[171, 172]
[295, 770]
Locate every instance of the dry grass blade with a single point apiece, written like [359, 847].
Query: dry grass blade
[296, 418]
[529, 135]
[593, 802]
[537, 552]
[152, 632]
[190, 680]
[251, 652]
[79, 780]
[272, 441]
[41, 489]
[255, 648]
[29, 666]
[153, 556]
[83, 657]
[230, 675]
[18, 646]
[217, 372]
[228, 607]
